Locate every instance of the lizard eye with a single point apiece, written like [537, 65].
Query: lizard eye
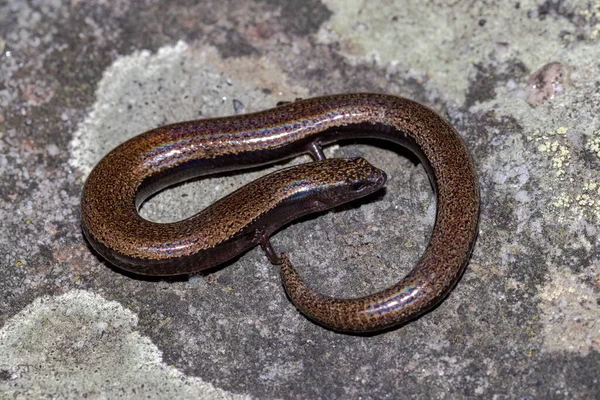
[358, 187]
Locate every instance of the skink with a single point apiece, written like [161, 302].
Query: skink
[147, 163]
[243, 219]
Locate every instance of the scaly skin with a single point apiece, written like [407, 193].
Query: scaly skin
[230, 226]
[163, 156]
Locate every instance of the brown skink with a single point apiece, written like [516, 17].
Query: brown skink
[147, 163]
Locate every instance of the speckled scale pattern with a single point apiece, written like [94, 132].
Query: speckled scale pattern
[249, 203]
[110, 217]
[253, 211]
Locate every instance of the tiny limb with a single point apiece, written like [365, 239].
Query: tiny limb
[283, 103]
[267, 247]
[316, 151]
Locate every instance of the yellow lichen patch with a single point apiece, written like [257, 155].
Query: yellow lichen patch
[594, 144]
[542, 148]
[589, 14]
[585, 205]
[569, 313]
[562, 130]
[562, 201]
[590, 199]
[585, 202]
[552, 144]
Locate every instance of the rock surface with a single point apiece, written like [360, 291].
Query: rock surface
[77, 78]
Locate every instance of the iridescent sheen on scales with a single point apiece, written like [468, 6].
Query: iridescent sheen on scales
[155, 159]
